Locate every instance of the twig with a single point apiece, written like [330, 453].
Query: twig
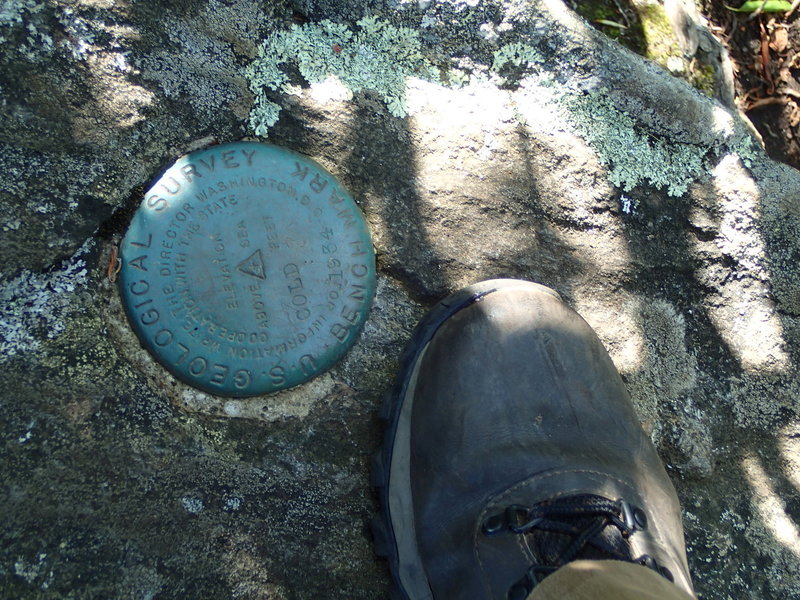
[624, 16]
[765, 60]
[114, 265]
[766, 101]
[795, 4]
[757, 11]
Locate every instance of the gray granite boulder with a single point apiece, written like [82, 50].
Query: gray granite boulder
[481, 139]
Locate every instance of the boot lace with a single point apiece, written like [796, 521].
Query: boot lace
[566, 529]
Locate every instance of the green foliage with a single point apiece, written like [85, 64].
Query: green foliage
[770, 6]
[378, 57]
[606, 16]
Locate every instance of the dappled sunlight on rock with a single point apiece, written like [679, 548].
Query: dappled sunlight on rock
[480, 115]
[566, 165]
[100, 3]
[771, 508]
[647, 341]
[746, 316]
[722, 121]
[618, 325]
[789, 444]
[246, 570]
[120, 102]
[460, 107]
[330, 90]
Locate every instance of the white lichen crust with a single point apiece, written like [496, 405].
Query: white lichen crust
[35, 305]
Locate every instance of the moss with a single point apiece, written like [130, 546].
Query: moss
[378, 56]
[599, 13]
[594, 11]
[661, 45]
[648, 32]
[703, 78]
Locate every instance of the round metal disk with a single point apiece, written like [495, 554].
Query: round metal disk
[247, 269]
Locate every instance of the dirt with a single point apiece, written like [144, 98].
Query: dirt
[765, 51]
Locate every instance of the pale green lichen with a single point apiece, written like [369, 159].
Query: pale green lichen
[703, 77]
[378, 56]
[747, 149]
[518, 54]
[11, 11]
[264, 115]
[26, 15]
[633, 156]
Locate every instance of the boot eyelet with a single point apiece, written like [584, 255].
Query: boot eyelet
[494, 524]
[523, 588]
[516, 515]
[647, 561]
[640, 518]
[518, 591]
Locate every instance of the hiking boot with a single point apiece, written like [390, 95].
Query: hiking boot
[511, 449]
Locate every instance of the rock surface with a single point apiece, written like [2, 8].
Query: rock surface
[576, 164]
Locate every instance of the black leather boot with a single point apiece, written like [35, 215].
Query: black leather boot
[511, 449]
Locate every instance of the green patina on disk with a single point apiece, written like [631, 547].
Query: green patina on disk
[247, 269]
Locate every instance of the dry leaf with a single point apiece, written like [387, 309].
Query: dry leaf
[794, 115]
[793, 85]
[780, 40]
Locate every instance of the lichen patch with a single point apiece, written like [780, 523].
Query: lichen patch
[377, 57]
